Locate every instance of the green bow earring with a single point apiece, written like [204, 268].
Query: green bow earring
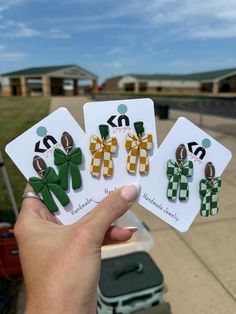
[178, 172]
[68, 161]
[208, 189]
[47, 183]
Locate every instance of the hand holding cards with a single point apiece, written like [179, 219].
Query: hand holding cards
[76, 170]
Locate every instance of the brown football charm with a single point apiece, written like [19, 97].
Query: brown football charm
[67, 141]
[209, 171]
[181, 153]
[39, 165]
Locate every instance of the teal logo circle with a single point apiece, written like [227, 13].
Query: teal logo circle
[122, 109]
[206, 143]
[41, 131]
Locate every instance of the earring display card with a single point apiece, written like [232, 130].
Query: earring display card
[42, 140]
[201, 149]
[119, 116]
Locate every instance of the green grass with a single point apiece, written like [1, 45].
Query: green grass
[16, 116]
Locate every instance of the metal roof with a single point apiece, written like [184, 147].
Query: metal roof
[202, 76]
[38, 71]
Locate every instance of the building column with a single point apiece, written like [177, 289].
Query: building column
[215, 88]
[24, 86]
[136, 87]
[46, 86]
[6, 87]
[94, 86]
[75, 87]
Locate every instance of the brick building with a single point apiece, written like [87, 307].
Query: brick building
[48, 81]
[220, 81]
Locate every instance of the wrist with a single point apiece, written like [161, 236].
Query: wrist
[36, 308]
[60, 305]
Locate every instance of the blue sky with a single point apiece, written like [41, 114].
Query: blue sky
[118, 37]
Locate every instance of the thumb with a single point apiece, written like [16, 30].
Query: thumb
[112, 207]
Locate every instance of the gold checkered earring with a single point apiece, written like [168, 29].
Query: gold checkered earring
[138, 144]
[102, 147]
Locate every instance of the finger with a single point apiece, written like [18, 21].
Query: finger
[35, 207]
[112, 207]
[30, 201]
[118, 234]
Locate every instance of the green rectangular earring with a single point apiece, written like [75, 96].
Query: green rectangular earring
[208, 189]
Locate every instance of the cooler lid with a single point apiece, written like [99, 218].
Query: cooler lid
[129, 273]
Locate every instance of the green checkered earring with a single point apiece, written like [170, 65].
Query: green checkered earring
[208, 189]
[178, 172]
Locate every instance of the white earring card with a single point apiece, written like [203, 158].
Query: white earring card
[119, 116]
[41, 140]
[201, 149]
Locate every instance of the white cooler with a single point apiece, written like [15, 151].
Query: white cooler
[130, 280]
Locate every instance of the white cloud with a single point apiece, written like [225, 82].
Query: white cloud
[180, 18]
[88, 55]
[115, 50]
[197, 18]
[24, 31]
[221, 31]
[10, 56]
[62, 49]
[11, 29]
[57, 34]
[15, 29]
[119, 64]
[2, 8]
[113, 64]
[66, 2]
[7, 4]
[191, 65]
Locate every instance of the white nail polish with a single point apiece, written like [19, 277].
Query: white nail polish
[130, 192]
[132, 228]
[137, 185]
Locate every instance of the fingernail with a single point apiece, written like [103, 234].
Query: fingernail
[130, 192]
[132, 228]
